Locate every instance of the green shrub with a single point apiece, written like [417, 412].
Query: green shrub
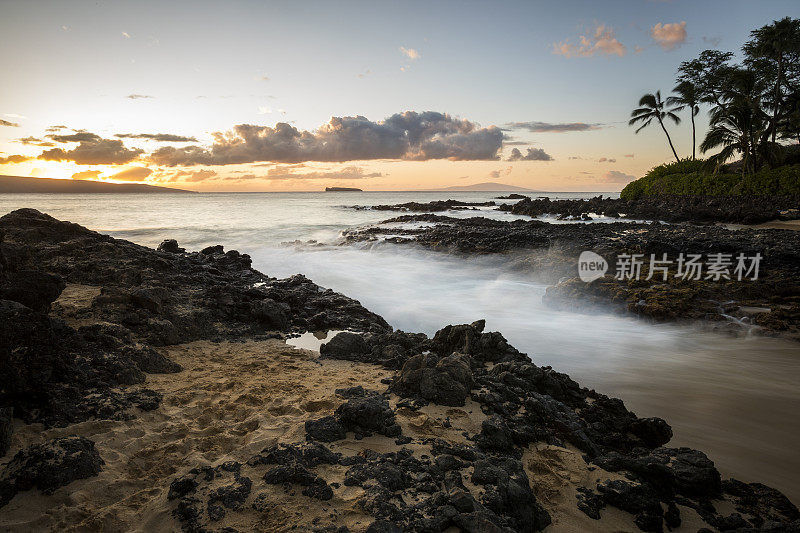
[692, 178]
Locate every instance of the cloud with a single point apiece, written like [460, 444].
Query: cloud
[499, 173]
[16, 115]
[14, 159]
[78, 136]
[548, 127]
[126, 35]
[409, 136]
[35, 141]
[712, 41]
[606, 160]
[287, 172]
[92, 150]
[160, 137]
[86, 175]
[410, 53]
[669, 36]
[264, 110]
[534, 154]
[603, 41]
[347, 173]
[7, 123]
[615, 176]
[201, 175]
[628, 155]
[132, 174]
[191, 175]
[138, 96]
[52, 129]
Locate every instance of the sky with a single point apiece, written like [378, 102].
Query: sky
[295, 96]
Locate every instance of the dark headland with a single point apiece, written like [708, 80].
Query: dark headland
[20, 184]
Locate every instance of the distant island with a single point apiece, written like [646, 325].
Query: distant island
[488, 186]
[342, 189]
[21, 184]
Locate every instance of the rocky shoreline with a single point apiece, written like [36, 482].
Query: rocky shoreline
[667, 208]
[428, 207]
[158, 383]
[693, 209]
[769, 305]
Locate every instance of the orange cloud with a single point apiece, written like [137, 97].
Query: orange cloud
[603, 41]
[14, 159]
[86, 175]
[669, 36]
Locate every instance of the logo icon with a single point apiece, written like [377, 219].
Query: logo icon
[591, 266]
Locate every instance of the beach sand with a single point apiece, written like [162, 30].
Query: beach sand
[232, 400]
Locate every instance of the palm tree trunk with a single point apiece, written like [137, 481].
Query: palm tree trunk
[694, 142]
[774, 125]
[670, 140]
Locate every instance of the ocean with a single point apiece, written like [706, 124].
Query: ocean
[734, 398]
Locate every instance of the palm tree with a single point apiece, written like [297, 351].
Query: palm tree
[739, 128]
[687, 96]
[651, 106]
[771, 49]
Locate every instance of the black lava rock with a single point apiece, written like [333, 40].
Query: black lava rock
[49, 466]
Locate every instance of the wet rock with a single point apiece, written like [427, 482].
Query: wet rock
[654, 432]
[670, 208]
[470, 339]
[231, 496]
[345, 345]
[434, 206]
[170, 246]
[169, 297]
[48, 466]
[508, 493]
[6, 429]
[207, 493]
[313, 308]
[445, 381]
[637, 499]
[213, 250]
[366, 413]
[758, 500]
[315, 487]
[53, 374]
[383, 526]
[325, 429]
[149, 298]
[114, 337]
[672, 470]
[672, 516]
[308, 455]
[590, 503]
[271, 314]
[31, 288]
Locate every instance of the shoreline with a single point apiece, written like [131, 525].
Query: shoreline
[768, 305]
[469, 429]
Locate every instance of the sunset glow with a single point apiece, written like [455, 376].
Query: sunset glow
[564, 92]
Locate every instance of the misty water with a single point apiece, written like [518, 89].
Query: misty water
[734, 398]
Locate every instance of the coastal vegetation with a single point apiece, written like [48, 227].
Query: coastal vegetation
[754, 110]
[688, 177]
